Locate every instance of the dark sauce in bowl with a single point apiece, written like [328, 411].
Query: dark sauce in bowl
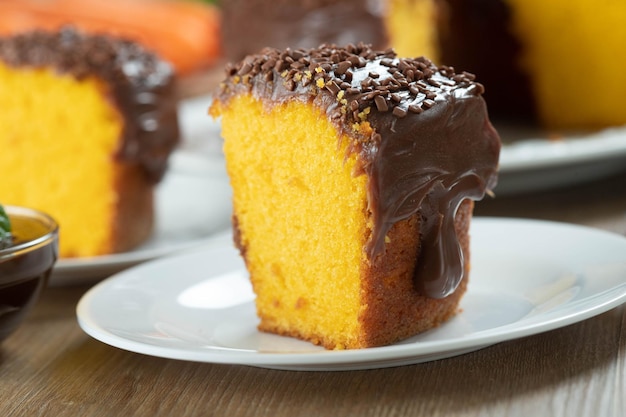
[26, 265]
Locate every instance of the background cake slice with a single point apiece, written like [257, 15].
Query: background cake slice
[554, 63]
[86, 128]
[354, 174]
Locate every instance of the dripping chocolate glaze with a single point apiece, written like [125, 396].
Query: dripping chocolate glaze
[430, 147]
[141, 85]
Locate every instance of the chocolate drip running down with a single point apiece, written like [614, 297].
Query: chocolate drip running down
[421, 133]
[142, 86]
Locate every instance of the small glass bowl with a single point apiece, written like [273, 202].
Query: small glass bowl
[26, 265]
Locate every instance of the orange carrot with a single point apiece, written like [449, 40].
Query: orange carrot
[182, 32]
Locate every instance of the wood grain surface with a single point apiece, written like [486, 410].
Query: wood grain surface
[49, 367]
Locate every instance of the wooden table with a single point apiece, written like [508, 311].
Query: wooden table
[49, 367]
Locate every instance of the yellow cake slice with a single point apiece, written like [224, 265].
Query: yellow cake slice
[353, 175]
[88, 123]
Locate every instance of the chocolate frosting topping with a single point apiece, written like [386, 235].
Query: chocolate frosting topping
[421, 133]
[140, 83]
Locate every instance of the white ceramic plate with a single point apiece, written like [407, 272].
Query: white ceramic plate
[528, 277]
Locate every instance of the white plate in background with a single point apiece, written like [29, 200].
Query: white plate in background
[534, 163]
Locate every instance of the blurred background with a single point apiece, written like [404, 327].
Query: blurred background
[555, 64]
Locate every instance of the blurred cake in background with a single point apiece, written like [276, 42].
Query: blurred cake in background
[556, 62]
[250, 25]
[572, 52]
[87, 125]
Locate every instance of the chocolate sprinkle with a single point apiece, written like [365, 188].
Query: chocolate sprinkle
[381, 104]
[411, 84]
[399, 112]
